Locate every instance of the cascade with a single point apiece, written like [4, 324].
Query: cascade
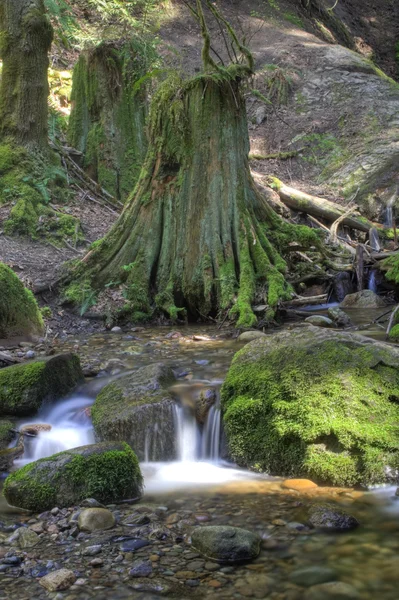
[372, 284]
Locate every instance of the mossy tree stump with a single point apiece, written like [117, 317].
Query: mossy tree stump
[108, 114]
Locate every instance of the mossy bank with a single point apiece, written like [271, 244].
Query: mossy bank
[315, 403]
[108, 472]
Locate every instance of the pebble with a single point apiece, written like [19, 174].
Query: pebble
[141, 568]
[58, 580]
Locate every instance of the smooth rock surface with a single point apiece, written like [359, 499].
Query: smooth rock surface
[364, 299]
[331, 518]
[334, 590]
[319, 321]
[249, 336]
[94, 519]
[58, 580]
[226, 544]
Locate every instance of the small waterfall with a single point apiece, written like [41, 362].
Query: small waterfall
[388, 222]
[372, 284]
[374, 239]
[212, 434]
[70, 427]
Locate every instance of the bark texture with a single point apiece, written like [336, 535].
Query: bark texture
[196, 235]
[107, 121]
[25, 39]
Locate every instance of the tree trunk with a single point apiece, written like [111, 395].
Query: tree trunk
[107, 122]
[196, 234]
[25, 40]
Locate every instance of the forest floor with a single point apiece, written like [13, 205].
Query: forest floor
[277, 36]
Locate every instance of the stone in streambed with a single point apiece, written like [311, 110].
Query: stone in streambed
[299, 485]
[339, 317]
[364, 299]
[94, 519]
[109, 471]
[58, 580]
[141, 568]
[226, 544]
[310, 576]
[334, 590]
[319, 321]
[249, 336]
[330, 518]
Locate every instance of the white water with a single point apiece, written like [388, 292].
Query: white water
[389, 211]
[372, 284]
[374, 239]
[70, 427]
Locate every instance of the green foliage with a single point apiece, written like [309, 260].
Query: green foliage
[46, 312]
[294, 19]
[394, 334]
[63, 20]
[19, 312]
[391, 267]
[81, 294]
[326, 410]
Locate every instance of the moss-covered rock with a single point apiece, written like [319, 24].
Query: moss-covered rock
[138, 409]
[25, 387]
[363, 299]
[108, 472]
[19, 312]
[7, 433]
[315, 403]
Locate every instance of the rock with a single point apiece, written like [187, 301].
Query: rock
[334, 590]
[94, 519]
[339, 317]
[133, 544]
[343, 285]
[116, 330]
[25, 388]
[141, 568]
[206, 399]
[58, 580]
[226, 544]
[330, 518]
[27, 538]
[109, 471]
[310, 576]
[277, 404]
[7, 433]
[91, 550]
[92, 503]
[20, 314]
[364, 299]
[129, 407]
[319, 321]
[299, 484]
[249, 336]
[30, 354]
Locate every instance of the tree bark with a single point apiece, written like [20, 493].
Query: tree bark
[25, 39]
[196, 234]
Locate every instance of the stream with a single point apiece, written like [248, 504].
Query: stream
[201, 486]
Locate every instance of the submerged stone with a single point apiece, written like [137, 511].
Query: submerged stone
[58, 580]
[319, 321]
[226, 544]
[94, 519]
[109, 471]
[315, 403]
[331, 518]
[138, 409]
[310, 576]
[333, 590]
[26, 387]
[339, 317]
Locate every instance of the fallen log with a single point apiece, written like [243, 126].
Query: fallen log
[303, 301]
[319, 207]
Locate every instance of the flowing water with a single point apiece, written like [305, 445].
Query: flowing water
[372, 282]
[200, 482]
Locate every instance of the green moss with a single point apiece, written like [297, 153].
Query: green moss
[328, 411]
[37, 493]
[19, 314]
[394, 334]
[391, 267]
[80, 294]
[23, 219]
[6, 433]
[46, 312]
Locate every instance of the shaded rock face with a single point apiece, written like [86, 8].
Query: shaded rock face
[108, 472]
[138, 409]
[26, 387]
[204, 402]
[331, 518]
[343, 285]
[315, 403]
[364, 299]
[339, 317]
[226, 544]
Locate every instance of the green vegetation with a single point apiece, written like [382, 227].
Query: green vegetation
[107, 472]
[19, 314]
[294, 19]
[315, 406]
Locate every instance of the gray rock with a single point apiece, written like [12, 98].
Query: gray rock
[94, 519]
[310, 576]
[319, 321]
[249, 336]
[330, 518]
[91, 550]
[226, 544]
[58, 580]
[364, 299]
[91, 503]
[116, 330]
[339, 317]
[27, 538]
[141, 568]
[129, 407]
[334, 590]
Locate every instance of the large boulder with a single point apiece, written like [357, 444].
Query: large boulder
[25, 387]
[19, 312]
[138, 409]
[364, 299]
[108, 472]
[315, 403]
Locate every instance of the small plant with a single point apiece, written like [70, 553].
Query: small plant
[82, 295]
[46, 312]
[279, 83]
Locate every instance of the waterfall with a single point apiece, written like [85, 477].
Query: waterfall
[193, 444]
[389, 211]
[372, 284]
[374, 238]
[70, 427]
[212, 434]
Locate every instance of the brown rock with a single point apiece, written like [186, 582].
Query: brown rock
[298, 484]
[58, 580]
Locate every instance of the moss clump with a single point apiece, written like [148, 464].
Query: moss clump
[108, 472]
[6, 433]
[316, 404]
[394, 333]
[46, 312]
[24, 388]
[391, 267]
[19, 312]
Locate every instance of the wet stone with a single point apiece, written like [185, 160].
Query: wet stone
[331, 518]
[334, 590]
[133, 544]
[141, 568]
[58, 580]
[312, 576]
